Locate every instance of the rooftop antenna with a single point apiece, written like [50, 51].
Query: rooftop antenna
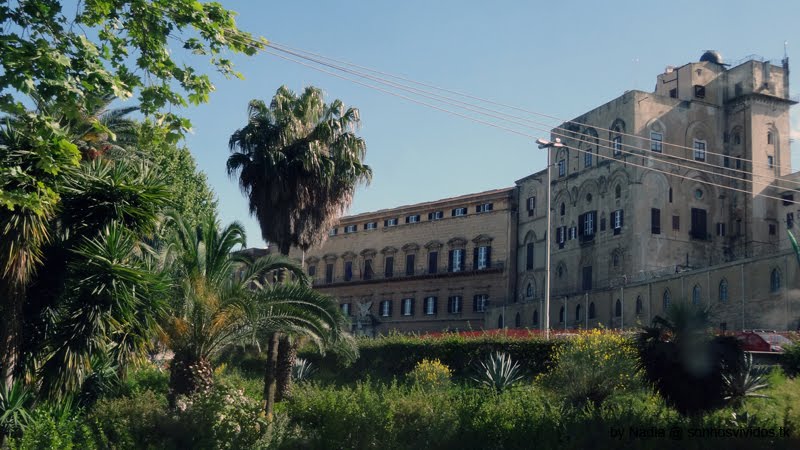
[785, 53]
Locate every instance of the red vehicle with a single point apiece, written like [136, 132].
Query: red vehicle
[762, 341]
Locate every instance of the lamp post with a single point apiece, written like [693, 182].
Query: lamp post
[545, 144]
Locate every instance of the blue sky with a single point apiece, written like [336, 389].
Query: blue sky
[559, 58]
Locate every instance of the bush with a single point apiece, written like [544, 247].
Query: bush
[46, 430]
[383, 358]
[791, 360]
[430, 374]
[592, 366]
[140, 421]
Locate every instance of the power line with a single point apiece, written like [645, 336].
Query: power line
[563, 121]
[523, 133]
[508, 117]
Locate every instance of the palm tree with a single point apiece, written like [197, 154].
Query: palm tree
[221, 300]
[299, 162]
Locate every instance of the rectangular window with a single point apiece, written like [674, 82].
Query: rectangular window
[412, 219]
[789, 220]
[529, 256]
[655, 221]
[562, 168]
[573, 232]
[388, 267]
[603, 223]
[458, 212]
[720, 229]
[699, 91]
[456, 263]
[333, 232]
[390, 222]
[312, 270]
[485, 207]
[769, 137]
[699, 150]
[368, 269]
[329, 273]
[436, 215]
[699, 228]
[386, 308]
[350, 229]
[455, 304]
[531, 206]
[586, 224]
[587, 158]
[788, 199]
[480, 302]
[673, 93]
[371, 226]
[772, 229]
[587, 278]
[676, 223]
[483, 257]
[430, 306]
[433, 262]
[656, 141]
[770, 161]
[617, 217]
[410, 265]
[617, 145]
[561, 233]
[348, 270]
[726, 161]
[408, 306]
[345, 308]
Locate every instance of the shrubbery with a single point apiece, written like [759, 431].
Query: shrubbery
[791, 359]
[430, 373]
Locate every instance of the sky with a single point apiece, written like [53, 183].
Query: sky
[558, 58]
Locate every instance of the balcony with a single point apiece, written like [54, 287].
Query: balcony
[498, 266]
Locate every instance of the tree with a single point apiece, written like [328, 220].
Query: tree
[215, 302]
[684, 361]
[299, 162]
[69, 62]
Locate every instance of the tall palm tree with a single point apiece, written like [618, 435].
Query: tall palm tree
[299, 162]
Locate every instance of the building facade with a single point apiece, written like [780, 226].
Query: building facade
[426, 267]
[662, 196]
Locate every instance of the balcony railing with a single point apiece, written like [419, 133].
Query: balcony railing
[401, 275]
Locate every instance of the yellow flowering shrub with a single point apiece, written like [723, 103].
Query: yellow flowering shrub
[593, 365]
[430, 373]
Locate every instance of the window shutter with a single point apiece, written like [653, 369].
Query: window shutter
[450, 261]
[475, 303]
[390, 307]
[463, 260]
[386, 223]
[491, 206]
[488, 256]
[449, 304]
[475, 258]
[621, 218]
[430, 216]
[435, 305]
[581, 227]
[478, 209]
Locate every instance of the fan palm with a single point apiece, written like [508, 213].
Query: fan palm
[298, 162]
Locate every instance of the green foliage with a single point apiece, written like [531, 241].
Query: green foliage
[15, 405]
[791, 359]
[386, 357]
[684, 361]
[592, 366]
[498, 372]
[430, 374]
[744, 381]
[302, 369]
[139, 421]
[68, 432]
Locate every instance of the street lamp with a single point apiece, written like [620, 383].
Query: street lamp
[544, 144]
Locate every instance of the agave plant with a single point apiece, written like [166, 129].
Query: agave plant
[302, 369]
[745, 382]
[498, 372]
[15, 403]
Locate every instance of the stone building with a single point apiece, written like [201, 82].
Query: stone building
[425, 267]
[660, 196]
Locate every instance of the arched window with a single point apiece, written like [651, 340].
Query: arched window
[563, 208]
[666, 301]
[615, 259]
[560, 271]
[639, 306]
[774, 281]
[561, 315]
[500, 323]
[723, 291]
[536, 317]
[529, 291]
[578, 313]
[592, 313]
[517, 321]
[618, 309]
[618, 191]
[696, 294]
